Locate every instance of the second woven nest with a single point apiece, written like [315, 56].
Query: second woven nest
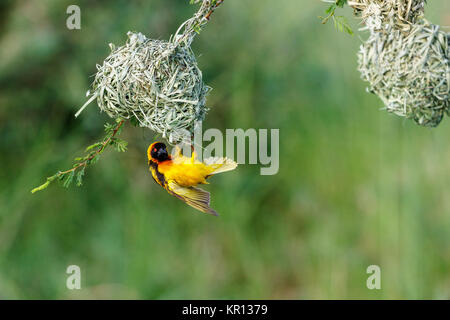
[410, 73]
[405, 60]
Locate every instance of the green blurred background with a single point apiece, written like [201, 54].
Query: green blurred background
[357, 186]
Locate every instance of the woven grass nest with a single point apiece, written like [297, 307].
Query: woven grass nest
[156, 84]
[405, 60]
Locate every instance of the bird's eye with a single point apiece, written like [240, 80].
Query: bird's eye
[154, 149]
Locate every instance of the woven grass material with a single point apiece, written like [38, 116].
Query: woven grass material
[405, 60]
[399, 13]
[156, 83]
[410, 73]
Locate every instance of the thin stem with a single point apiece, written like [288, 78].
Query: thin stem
[85, 162]
[99, 151]
[201, 17]
[218, 3]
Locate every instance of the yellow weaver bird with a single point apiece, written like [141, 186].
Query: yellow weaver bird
[179, 174]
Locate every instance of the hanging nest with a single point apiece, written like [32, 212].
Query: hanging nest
[156, 84]
[410, 73]
[405, 60]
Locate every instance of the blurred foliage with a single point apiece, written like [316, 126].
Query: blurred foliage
[357, 186]
[92, 155]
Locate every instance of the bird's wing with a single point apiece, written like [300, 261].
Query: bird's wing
[195, 197]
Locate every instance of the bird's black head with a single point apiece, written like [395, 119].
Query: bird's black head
[158, 151]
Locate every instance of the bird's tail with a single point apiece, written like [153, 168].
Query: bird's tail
[220, 165]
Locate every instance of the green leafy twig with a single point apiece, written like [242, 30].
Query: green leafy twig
[340, 22]
[93, 153]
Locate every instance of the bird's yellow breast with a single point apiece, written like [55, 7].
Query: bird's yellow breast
[185, 172]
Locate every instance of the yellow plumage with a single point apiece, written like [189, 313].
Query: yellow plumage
[179, 174]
